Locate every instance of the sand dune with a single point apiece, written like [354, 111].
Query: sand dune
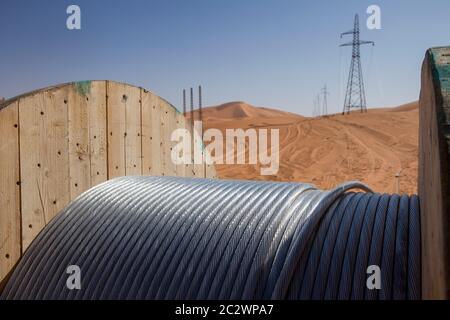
[240, 110]
[412, 106]
[371, 147]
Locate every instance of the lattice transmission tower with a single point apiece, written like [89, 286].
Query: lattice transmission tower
[324, 92]
[355, 97]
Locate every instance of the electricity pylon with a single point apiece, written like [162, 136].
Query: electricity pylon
[324, 93]
[316, 110]
[355, 97]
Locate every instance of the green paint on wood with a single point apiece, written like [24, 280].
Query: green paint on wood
[440, 66]
[440, 61]
[83, 87]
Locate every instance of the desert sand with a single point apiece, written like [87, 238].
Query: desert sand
[369, 147]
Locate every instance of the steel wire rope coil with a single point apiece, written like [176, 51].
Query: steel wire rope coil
[186, 238]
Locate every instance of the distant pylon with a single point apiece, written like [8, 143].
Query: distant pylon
[184, 102]
[192, 121]
[200, 103]
[317, 106]
[355, 97]
[324, 92]
[200, 106]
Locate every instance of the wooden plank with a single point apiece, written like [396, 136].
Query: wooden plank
[168, 124]
[133, 141]
[55, 143]
[44, 159]
[33, 218]
[163, 108]
[151, 135]
[197, 152]
[434, 173]
[10, 228]
[180, 169]
[78, 123]
[189, 167]
[116, 99]
[98, 133]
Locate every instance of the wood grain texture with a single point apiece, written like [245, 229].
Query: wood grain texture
[116, 95]
[151, 135]
[10, 226]
[133, 141]
[180, 169]
[98, 154]
[434, 174]
[69, 138]
[168, 125]
[45, 159]
[79, 154]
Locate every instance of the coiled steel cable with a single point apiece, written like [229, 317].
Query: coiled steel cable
[182, 238]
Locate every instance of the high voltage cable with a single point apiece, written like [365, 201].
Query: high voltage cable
[184, 238]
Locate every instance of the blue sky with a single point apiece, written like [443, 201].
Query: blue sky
[274, 53]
